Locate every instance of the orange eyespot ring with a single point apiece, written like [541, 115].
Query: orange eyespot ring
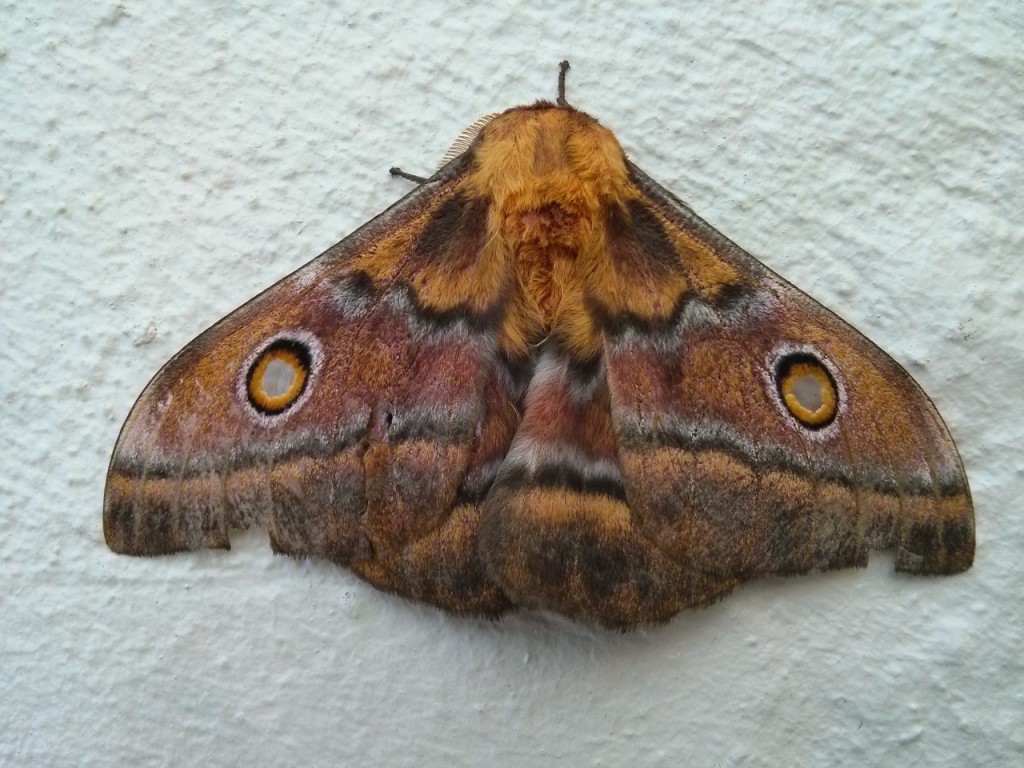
[278, 377]
[808, 390]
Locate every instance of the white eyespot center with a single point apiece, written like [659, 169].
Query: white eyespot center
[808, 391]
[278, 378]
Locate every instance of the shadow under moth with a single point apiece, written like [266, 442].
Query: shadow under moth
[539, 380]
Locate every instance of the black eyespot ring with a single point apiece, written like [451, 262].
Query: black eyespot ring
[278, 376]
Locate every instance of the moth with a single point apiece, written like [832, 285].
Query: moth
[541, 381]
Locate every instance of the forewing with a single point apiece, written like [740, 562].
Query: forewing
[721, 474]
[382, 459]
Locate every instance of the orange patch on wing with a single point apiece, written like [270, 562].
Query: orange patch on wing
[555, 506]
[706, 272]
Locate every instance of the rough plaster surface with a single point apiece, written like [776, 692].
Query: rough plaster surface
[162, 164]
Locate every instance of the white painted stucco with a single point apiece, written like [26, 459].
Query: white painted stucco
[161, 163]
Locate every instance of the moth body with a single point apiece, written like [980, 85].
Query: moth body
[541, 381]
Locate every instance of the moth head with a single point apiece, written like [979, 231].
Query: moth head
[807, 389]
[277, 376]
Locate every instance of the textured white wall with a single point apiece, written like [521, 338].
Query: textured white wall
[160, 165]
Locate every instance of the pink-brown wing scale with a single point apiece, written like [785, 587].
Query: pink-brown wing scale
[722, 477]
[383, 462]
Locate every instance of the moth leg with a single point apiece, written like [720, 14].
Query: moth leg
[396, 171]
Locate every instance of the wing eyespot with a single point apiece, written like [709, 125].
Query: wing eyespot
[279, 375]
[807, 390]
